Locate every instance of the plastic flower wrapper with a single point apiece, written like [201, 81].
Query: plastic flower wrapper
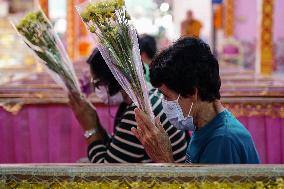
[117, 41]
[38, 34]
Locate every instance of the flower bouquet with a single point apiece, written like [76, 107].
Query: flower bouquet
[117, 41]
[38, 34]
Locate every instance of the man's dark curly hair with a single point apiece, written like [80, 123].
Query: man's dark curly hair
[186, 66]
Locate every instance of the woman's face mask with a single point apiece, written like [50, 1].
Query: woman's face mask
[175, 115]
[101, 92]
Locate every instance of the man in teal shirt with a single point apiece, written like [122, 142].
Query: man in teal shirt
[148, 49]
[223, 140]
[187, 74]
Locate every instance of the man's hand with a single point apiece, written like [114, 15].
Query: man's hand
[153, 137]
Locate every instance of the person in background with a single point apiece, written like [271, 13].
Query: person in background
[123, 146]
[148, 49]
[190, 27]
[187, 74]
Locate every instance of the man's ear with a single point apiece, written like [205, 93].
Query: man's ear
[195, 96]
[144, 56]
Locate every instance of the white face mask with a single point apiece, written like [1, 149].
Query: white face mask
[175, 115]
[101, 92]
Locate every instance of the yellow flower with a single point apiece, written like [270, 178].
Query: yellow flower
[93, 29]
[30, 19]
[30, 16]
[115, 30]
[85, 15]
[120, 3]
[91, 7]
[109, 14]
[113, 16]
[104, 28]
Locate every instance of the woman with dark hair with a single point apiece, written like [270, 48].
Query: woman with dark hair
[187, 74]
[123, 146]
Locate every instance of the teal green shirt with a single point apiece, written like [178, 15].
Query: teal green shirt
[147, 72]
[224, 140]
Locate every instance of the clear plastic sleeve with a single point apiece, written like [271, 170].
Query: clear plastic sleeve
[38, 34]
[118, 43]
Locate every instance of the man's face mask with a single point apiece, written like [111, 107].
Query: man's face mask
[102, 93]
[175, 115]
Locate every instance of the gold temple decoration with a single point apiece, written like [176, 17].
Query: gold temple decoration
[13, 108]
[128, 184]
[274, 110]
[84, 44]
[266, 37]
[83, 28]
[77, 43]
[229, 6]
[138, 176]
[44, 6]
[248, 107]
[218, 16]
[71, 29]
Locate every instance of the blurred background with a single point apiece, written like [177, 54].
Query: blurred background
[247, 36]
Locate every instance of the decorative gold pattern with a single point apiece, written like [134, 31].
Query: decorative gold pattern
[71, 29]
[274, 110]
[266, 37]
[83, 29]
[247, 107]
[13, 108]
[229, 18]
[142, 176]
[154, 184]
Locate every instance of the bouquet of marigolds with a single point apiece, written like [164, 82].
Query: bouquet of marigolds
[37, 32]
[117, 41]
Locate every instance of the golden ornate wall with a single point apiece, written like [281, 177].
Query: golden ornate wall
[229, 6]
[266, 37]
[44, 6]
[71, 29]
[84, 44]
[78, 43]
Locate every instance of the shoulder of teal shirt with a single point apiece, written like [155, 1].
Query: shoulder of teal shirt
[224, 140]
[223, 122]
[242, 139]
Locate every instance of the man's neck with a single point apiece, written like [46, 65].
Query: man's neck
[147, 61]
[207, 112]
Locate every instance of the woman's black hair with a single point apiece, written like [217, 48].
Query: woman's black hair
[101, 72]
[186, 66]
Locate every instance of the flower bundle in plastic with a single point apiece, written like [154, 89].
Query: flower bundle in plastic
[39, 35]
[117, 41]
